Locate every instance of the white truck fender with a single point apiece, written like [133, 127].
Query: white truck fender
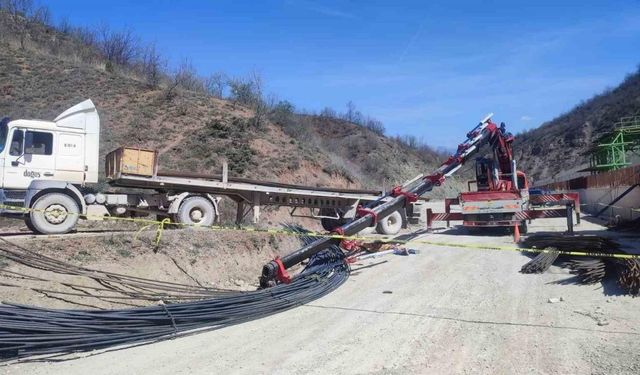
[36, 187]
[175, 204]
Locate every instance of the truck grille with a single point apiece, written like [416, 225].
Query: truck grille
[15, 194]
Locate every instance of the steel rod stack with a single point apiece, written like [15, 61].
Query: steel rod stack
[540, 263]
[563, 242]
[629, 275]
[114, 284]
[27, 331]
[588, 270]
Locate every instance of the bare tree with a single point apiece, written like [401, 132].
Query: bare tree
[64, 26]
[351, 111]
[246, 91]
[83, 34]
[374, 125]
[215, 85]
[328, 112]
[170, 90]
[358, 118]
[18, 11]
[152, 65]
[260, 106]
[118, 47]
[42, 15]
[187, 77]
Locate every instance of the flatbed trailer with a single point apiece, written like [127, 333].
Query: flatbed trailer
[47, 167]
[331, 205]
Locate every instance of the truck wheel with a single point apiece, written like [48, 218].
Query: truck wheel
[27, 221]
[53, 213]
[391, 224]
[196, 211]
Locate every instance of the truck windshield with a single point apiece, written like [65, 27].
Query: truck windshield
[3, 133]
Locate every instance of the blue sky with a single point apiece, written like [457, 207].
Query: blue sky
[427, 68]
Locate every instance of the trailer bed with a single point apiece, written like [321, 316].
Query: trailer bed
[218, 177]
[253, 192]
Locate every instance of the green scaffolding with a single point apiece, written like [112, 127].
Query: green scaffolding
[610, 151]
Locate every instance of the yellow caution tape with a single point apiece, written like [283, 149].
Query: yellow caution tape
[161, 225]
[160, 229]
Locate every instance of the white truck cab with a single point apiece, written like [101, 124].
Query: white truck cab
[42, 162]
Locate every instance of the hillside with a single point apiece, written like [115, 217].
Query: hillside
[556, 149]
[194, 131]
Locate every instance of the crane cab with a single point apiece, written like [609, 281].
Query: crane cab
[488, 177]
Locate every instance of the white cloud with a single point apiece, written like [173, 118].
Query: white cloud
[526, 118]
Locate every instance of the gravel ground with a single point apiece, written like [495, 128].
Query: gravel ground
[444, 310]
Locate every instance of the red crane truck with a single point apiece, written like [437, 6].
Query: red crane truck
[501, 197]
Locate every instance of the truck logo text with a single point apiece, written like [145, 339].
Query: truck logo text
[31, 174]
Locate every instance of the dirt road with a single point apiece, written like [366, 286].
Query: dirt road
[445, 310]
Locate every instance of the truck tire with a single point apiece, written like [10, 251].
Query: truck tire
[391, 224]
[53, 213]
[196, 211]
[27, 221]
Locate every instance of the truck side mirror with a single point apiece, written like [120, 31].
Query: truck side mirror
[16, 162]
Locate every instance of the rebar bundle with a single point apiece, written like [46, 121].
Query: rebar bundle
[111, 285]
[629, 275]
[589, 243]
[588, 270]
[27, 331]
[540, 263]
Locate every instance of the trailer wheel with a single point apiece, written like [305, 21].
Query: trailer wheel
[196, 211]
[53, 213]
[391, 224]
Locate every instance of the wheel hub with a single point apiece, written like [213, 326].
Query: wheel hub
[196, 215]
[55, 214]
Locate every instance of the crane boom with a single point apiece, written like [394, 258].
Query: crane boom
[484, 132]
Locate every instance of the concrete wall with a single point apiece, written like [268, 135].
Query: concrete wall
[595, 199]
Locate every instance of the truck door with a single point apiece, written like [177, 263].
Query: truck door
[30, 157]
